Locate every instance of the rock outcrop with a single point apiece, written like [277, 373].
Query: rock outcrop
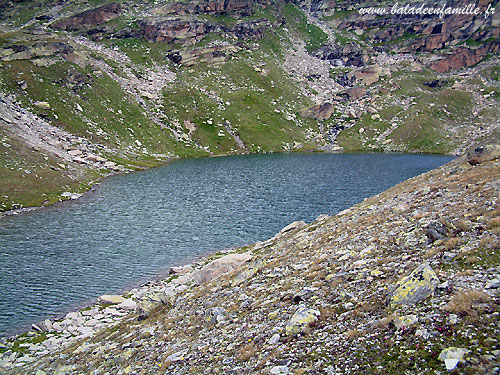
[319, 112]
[226, 264]
[483, 154]
[349, 54]
[176, 30]
[239, 7]
[89, 18]
[464, 57]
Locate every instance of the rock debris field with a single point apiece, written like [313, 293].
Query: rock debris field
[405, 282]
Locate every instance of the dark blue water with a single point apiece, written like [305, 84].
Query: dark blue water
[135, 226]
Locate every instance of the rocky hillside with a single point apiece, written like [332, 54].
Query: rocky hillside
[90, 88]
[405, 282]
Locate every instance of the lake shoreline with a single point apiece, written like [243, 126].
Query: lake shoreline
[301, 267]
[207, 253]
[25, 210]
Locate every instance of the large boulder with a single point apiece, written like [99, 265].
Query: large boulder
[150, 301]
[215, 315]
[354, 93]
[413, 288]
[111, 299]
[484, 154]
[178, 30]
[301, 320]
[292, 226]
[319, 112]
[90, 17]
[221, 266]
[452, 356]
[436, 231]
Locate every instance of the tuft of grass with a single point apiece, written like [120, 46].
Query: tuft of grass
[246, 352]
[352, 334]
[489, 242]
[451, 243]
[493, 223]
[467, 302]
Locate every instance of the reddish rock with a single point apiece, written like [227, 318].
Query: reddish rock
[484, 154]
[176, 30]
[90, 17]
[464, 57]
[319, 112]
[354, 93]
[242, 7]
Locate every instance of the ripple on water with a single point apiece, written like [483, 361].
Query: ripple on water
[133, 227]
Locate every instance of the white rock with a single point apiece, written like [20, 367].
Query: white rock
[91, 323]
[218, 267]
[128, 304]
[452, 356]
[292, 226]
[111, 299]
[493, 284]
[72, 315]
[92, 312]
[277, 370]
[85, 331]
[451, 363]
[178, 356]
[452, 319]
[274, 339]
[75, 153]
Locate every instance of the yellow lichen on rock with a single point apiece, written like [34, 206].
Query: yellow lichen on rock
[302, 318]
[415, 287]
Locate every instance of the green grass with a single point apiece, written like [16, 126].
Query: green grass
[142, 52]
[29, 178]
[403, 38]
[339, 14]
[250, 94]
[422, 127]
[311, 34]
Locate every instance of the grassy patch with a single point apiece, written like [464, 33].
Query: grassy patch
[311, 34]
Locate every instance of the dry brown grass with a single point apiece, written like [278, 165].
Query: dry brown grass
[246, 352]
[352, 334]
[489, 242]
[384, 323]
[495, 212]
[467, 302]
[462, 225]
[431, 252]
[319, 274]
[472, 259]
[327, 312]
[493, 223]
[451, 243]
[465, 273]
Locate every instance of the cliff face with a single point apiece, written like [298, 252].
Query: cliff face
[219, 77]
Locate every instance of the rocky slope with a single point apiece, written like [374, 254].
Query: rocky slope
[93, 88]
[405, 282]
